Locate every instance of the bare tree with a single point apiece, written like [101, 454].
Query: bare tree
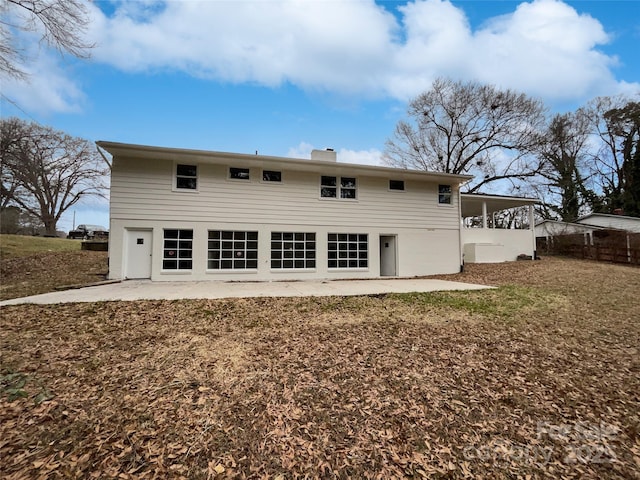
[60, 24]
[469, 128]
[564, 174]
[617, 163]
[45, 171]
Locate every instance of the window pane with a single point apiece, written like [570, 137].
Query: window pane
[347, 193]
[352, 251]
[348, 182]
[177, 249]
[186, 170]
[396, 184]
[239, 173]
[233, 252]
[295, 252]
[271, 176]
[444, 188]
[328, 181]
[187, 183]
[327, 192]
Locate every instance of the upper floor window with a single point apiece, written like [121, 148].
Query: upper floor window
[338, 187]
[271, 176]
[396, 184]
[239, 173]
[444, 194]
[186, 176]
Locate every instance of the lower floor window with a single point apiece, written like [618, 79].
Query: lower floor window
[177, 250]
[293, 250]
[348, 250]
[232, 250]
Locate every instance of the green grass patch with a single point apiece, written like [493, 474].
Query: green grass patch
[22, 245]
[507, 302]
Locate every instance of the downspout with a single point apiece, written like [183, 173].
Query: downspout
[533, 233]
[460, 227]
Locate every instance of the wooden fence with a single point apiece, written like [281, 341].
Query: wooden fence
[601, 245]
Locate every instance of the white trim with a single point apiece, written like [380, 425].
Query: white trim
[174, 178]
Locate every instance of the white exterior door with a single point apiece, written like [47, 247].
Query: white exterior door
[138, 256]
[388, 256]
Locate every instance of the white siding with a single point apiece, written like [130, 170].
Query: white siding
[142, 189]
[142, 197]
[630, 224]
[550, 228]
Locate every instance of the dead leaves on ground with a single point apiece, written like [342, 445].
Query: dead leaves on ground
[365, 387]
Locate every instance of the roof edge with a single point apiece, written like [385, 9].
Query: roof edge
[109, 146]
[499, 197]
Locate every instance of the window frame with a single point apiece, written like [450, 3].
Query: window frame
[249, 252]
[178, 248]
[403, 189]
[444, 194]
[174, 185]
[347, 239]
[239, 179]
[339, 188]
[310, 263]
[272, 171]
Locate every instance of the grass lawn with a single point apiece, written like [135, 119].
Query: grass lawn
[539, 378]
[23, 245]
[33, 265]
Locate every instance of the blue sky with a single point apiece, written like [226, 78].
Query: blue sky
[281, 76]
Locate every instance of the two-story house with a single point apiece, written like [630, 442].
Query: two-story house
[178, 214]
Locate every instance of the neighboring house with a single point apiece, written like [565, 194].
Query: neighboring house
[615, 222]
[586, 225]
[179, 214]
[553, 228]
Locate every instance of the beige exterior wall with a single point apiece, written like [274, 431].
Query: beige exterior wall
[143, 197]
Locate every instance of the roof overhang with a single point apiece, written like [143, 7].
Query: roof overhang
[471, 203]
[125, 150]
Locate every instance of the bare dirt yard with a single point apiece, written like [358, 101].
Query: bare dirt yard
[539, 378]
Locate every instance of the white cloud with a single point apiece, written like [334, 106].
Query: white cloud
[362, 157]
[544, 47]
[352, 48]
[302, 150]
[48, 88]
